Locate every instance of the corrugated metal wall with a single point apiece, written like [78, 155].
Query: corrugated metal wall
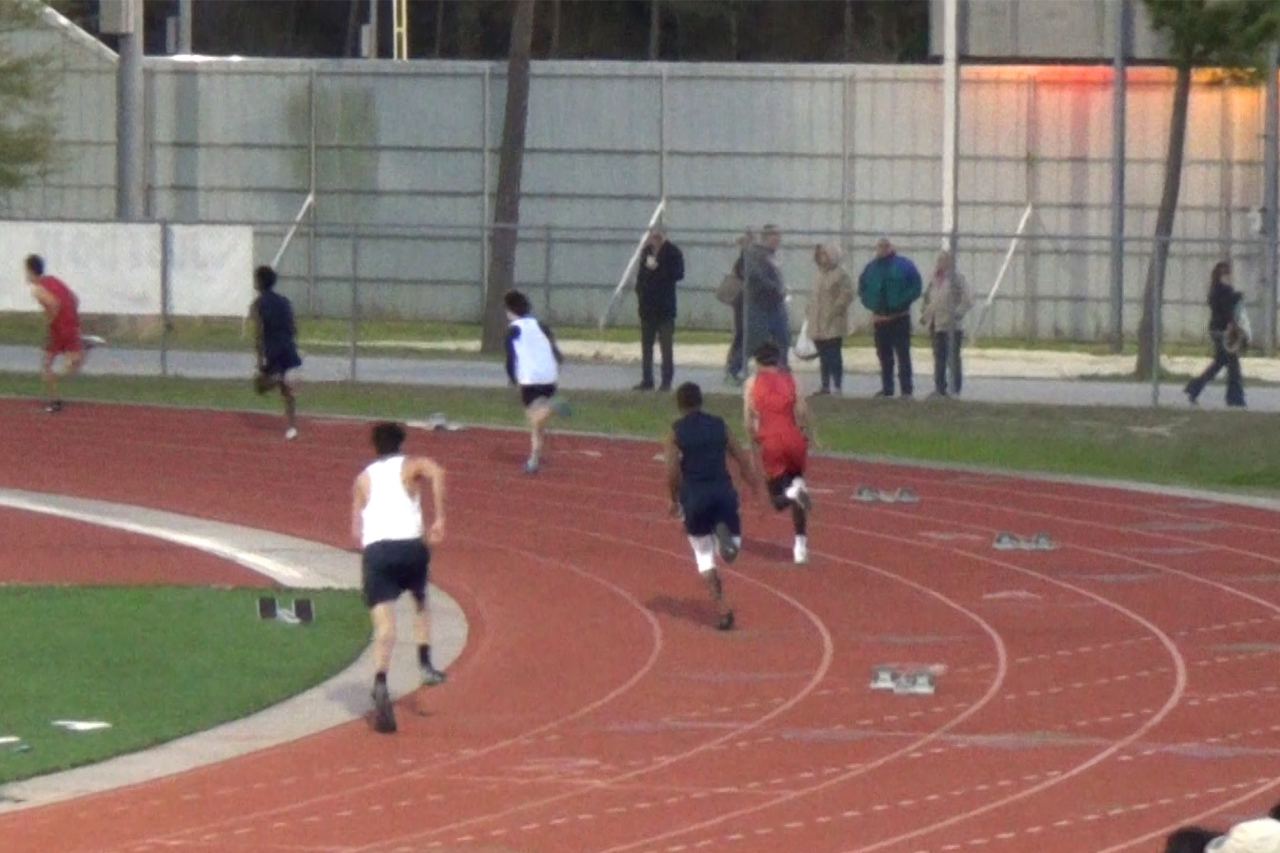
[404, 151]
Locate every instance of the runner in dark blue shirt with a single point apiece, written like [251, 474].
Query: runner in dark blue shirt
[278, 359]
[702, 490]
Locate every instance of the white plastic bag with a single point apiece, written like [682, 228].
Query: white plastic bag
[1242, 320]
[804, 348]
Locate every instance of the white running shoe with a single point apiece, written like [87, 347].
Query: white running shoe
[798, 492]
[291, 433]
[801, 550]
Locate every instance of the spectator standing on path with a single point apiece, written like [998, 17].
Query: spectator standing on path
[827, 314]
[945, 305]
[661, 269]
[732, 293]
[765, 305]
[1224, 302]
[888, 287]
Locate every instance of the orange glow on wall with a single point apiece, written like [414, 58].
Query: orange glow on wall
[1084, 75]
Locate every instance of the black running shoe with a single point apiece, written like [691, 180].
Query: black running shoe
[432, 676]
[724, 539]
[384, 720]
[726, 622]
[53, 407]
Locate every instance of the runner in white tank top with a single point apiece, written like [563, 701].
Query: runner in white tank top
[533, 363]
[386, 522]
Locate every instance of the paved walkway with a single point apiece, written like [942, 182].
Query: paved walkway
[1005, 381]
[291, 562]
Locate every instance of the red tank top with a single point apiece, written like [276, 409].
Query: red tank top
[773, 396]
[68, 305]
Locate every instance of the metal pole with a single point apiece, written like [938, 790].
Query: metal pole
[662, 135]
[485, 234]
[1271, 198]
[185, 11]
[166, 253]
[312, 247]
[130, 119]
[1157, 299]
[546, 276]
[950, 169]
[1119, 95]
[355, 301]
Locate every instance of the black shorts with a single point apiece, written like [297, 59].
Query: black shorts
[777, 490]
[705, 507]
[392, 567]
[529, 394]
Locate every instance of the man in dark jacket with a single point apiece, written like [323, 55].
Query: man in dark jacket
[661, 269]
[887, 288]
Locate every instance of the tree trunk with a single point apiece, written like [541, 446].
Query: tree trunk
[655, 28]
[848, 30]
[439, 27]
[506, 214]
[554, 51]
[1154, 288]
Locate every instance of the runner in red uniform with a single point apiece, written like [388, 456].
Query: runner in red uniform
[777, 420]
[62, 307]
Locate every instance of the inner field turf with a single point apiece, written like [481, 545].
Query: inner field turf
[1094, 696]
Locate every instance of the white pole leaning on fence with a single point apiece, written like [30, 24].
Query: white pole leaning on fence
[631, 264]
[1004, 268]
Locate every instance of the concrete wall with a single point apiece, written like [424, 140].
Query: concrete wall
[407, 154]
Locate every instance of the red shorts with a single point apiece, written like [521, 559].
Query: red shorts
[63, 337]
[783, 453]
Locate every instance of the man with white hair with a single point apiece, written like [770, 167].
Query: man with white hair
[1251, 836]
[888, 287]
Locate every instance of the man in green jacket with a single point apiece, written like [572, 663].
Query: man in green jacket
[888, 286]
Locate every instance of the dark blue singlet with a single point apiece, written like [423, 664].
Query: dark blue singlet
[707, 495]
[279, 349]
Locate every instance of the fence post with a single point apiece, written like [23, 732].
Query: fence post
[355, 302]
[1119, 93]
[1157, 298]
[546, 276]
[166, 251]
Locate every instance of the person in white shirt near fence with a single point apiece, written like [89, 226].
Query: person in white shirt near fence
[533, 363]
[386, 522]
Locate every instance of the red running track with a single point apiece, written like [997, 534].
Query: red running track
[1096, 696]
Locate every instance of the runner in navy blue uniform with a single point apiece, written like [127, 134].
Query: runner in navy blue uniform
[277, 333]
[702, 489]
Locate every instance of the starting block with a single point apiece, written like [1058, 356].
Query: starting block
[302, 611]
[1012, 542]
[884, 677]
[437, 422]
[866, 494]
[916, 683]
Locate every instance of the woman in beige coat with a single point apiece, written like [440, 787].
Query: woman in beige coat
[828, 315]
[946, 302]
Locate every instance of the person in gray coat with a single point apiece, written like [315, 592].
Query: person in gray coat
[765, 295]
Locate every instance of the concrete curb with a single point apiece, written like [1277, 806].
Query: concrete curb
[293, 562]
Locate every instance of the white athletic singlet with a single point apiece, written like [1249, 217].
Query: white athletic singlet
[535, 360]
[390, 513]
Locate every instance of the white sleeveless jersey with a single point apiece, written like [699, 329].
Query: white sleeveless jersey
[535, 359]
[390, 513]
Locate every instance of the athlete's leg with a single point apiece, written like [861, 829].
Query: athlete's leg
[50, 378]
[289, 393]
[418, 580]
[383, 615]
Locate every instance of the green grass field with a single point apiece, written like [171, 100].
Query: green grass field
[157, 662]
[379, 335]
[1176, 446]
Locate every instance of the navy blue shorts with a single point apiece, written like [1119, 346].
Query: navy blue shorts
[392, 567]
[706, 507]
[280, 362]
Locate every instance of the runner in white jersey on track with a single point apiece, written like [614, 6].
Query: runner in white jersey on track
[386, 522]
[533, 363]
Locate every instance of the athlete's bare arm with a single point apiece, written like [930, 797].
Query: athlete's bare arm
[671, 458]
[421, 468]
[802, 415]
[745, 466]
[359, 497]
[47, 301]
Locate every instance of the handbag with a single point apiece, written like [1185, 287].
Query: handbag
[804, 349]
[729, 289]
[1239, 334]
